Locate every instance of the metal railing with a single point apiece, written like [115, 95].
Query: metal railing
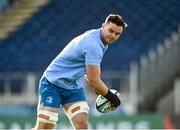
[18, 88]
[155, 70]
[22, 88]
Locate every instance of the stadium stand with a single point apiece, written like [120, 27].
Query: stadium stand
[37, 41]
[2, 6]
[40, 39]
[17, 15]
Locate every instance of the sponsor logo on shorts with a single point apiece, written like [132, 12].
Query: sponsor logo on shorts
[49, 99]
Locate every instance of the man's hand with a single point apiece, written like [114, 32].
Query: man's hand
[113, 98]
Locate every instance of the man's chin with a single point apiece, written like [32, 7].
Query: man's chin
[110, 42]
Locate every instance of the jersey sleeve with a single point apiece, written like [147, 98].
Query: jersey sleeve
[93, 54]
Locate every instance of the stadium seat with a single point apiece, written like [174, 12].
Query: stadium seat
[39, 40]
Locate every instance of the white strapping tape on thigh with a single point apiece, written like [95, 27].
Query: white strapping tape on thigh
[53, 116]
[83, 107]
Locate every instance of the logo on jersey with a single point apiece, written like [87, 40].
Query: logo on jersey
[49, 99]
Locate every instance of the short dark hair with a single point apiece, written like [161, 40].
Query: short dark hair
[115, 19]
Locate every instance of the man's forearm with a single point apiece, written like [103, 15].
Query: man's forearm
[99, 87]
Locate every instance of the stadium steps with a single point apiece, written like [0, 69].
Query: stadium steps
[17, 16]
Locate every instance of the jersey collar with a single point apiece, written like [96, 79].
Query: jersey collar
[100, 40]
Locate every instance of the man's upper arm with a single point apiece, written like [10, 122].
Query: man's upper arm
[93, 77]
[93, 72]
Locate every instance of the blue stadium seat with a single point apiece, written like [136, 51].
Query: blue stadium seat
[37, 42]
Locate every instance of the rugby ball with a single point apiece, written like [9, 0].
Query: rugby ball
[103, 105]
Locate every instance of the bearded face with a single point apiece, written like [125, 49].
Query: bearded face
[111, 32]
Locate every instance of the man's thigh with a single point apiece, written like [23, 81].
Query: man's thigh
[49, 95]
[48, 105]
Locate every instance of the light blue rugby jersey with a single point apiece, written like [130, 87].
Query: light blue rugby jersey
[68, 68]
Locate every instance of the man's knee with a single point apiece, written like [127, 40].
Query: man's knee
[80, 124]
[46, 119]
[42, 125]
[77, 108]
[47, 116]
[78, 114]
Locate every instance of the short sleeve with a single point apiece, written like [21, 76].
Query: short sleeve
[93, 54]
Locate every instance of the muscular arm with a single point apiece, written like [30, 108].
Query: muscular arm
[94, 79]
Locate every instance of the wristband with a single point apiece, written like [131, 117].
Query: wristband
[113, 98]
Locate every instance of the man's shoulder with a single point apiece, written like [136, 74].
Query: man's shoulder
[91, 31]
[91, 35]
